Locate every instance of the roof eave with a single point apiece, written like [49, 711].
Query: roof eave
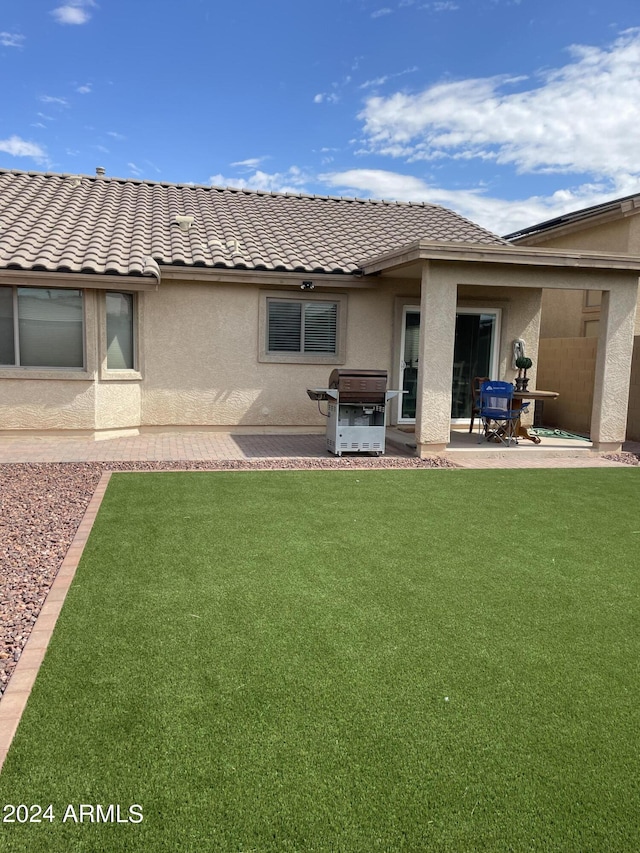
[67, 278]
[426, 250]
[267, 278]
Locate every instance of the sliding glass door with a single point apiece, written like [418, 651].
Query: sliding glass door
[475, 354]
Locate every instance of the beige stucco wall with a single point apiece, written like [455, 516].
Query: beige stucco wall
[567, 365]
[201, 353]
[45, 404]
[199, 366]
[561, 314]
[633, 415]
[562, 311]
[615, 237]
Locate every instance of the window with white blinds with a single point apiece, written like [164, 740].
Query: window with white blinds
[41, 327]
[296, 326]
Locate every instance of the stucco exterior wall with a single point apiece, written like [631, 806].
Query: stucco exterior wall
[633, 415]
[563, 311]
[567, 365]
[561, 314]
[201, 354]
[613, 236]
[47, 405]
[198, 354]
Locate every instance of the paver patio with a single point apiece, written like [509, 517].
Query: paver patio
[464, 449]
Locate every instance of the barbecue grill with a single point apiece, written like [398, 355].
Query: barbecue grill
[357, 410]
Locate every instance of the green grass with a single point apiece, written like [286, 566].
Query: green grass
[345, 661]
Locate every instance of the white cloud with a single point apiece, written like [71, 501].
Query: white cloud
[380, 12]
[328, 97]
[118, 136]
[498, 215]
[379, 81]
[136, 171]
[11, 39]
[84, 90]
[250, 162]
[17, 147]
[442, 6]
[49, 99]
[291, 181]
[73, 12]
[581, 118]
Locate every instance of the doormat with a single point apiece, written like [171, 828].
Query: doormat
[542, 432]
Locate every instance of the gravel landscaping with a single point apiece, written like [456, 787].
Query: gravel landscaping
[625, 457]
[41, 506]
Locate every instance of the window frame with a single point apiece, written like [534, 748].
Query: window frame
[44, 371]
[266, 355]
[125, 373]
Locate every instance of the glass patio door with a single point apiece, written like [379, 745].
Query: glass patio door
[475, 354]
[409, 364]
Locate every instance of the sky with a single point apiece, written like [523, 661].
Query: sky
[509, 112]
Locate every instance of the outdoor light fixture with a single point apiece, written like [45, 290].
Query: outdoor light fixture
[307, 285]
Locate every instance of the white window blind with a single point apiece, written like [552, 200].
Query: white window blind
[302, 327]
[41, 327]
[320, 322]
[50, 327]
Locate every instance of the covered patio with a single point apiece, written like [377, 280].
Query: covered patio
[450, 276]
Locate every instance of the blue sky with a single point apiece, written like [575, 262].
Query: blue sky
[508, 111]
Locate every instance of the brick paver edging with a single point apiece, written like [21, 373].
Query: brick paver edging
[15, 697]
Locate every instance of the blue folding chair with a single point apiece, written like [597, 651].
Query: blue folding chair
[498, 417]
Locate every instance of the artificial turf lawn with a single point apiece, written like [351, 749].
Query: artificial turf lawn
[345, 661]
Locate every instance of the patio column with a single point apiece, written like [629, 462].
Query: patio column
[613, 368]
[435, 362]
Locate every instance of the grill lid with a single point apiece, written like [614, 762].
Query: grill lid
[359, 386]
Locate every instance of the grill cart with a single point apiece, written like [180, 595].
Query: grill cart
[357, 410]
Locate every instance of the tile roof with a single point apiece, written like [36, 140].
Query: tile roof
[78, 223]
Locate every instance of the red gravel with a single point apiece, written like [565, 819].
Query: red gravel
[41, 506]
[625, 457]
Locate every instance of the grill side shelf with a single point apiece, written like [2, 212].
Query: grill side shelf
[321, 394]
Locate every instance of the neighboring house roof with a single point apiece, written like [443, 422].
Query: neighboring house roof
[608, 210]
[77, 223]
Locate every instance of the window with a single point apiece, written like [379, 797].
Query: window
[294, 326]
[41, 327]
[302, 329]
[7, 343]
[120, 331]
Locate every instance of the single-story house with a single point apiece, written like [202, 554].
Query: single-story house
[130, 306]
[570, 321]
